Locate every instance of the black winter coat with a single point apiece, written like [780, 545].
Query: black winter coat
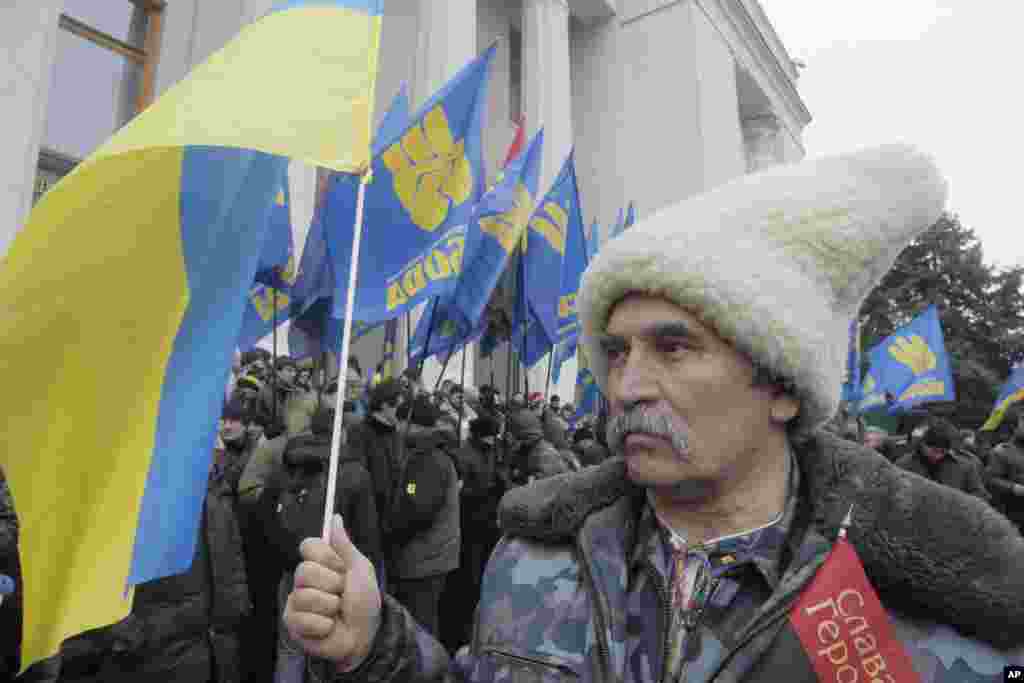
[354, 500]
[955, 471]
[181, 628]
[10, 609]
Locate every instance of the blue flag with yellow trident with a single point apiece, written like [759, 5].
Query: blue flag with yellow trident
[551, 229]
[276, 257]
[495, 232]
[1012, 392]
[573, 265]
[274, 278]
[909, 368]
[427, 178]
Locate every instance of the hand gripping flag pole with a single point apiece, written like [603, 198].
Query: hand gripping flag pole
[346, 341]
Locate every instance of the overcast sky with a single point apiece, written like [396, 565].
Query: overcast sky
[945, 75]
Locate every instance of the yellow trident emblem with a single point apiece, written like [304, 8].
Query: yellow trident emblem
[551, 225]
[507, 227]
[431, 172]
[914, 353]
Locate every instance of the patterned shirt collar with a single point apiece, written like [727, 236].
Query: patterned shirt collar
[763, 547]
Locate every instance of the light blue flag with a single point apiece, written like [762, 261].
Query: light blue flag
[593, 240]
[852, 381]
[496, 231]
[586, 389]
[909, 368]
[630, 217]
[620, 225]
[427, 179]
[564, 350]
[1012, 392]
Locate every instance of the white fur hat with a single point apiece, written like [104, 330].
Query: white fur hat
[777, 262]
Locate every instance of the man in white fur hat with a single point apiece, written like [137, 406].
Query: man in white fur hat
[717, 329]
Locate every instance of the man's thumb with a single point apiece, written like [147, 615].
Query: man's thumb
[340, 541]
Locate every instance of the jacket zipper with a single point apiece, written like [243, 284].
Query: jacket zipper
[531, 661]
[666, 611]
[603, 648]
[776, 615]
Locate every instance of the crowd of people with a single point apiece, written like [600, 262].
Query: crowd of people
[988, 465]
[419, 478]
[714, 329]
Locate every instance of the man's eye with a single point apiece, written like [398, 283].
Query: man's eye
[615, 354]
[672, 346]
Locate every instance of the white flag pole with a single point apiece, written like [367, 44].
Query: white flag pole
[346, 340]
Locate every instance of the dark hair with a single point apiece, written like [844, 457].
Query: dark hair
[236, 410]
[388, 391]
[555, 398]
[421, 411]
[941, 434]
[286, 362]
[582, 434]
[253, 355]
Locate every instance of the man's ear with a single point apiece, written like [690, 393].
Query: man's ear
[784, 407]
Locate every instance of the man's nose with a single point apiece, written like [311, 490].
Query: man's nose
[637, 381]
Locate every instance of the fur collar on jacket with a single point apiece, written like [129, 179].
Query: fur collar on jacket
[932, 552]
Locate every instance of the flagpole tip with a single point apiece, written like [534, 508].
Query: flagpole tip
[846, 523]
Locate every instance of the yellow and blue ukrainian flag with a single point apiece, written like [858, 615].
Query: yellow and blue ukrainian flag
[124, 296]
[1012, 392]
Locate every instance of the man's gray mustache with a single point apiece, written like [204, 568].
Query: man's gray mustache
[640, 421]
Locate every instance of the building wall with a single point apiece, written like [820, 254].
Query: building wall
[660, 94]
[28, 40]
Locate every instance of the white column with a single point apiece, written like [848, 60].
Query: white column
[28, 36]
[547, 101]
[446, 43]
[761, 135]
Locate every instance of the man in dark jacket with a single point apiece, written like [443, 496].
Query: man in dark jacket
[182, 628]
[482, 488]
[375, 440]
[424, 539]
[935, 458]
[587, 447]
[717, 329]
[533, 455]
[1005, 474]
[301, 486]
[235, 434]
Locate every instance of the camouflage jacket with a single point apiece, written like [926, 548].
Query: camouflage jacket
[558, 602]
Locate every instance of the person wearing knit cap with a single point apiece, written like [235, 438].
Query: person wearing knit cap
[717, 330]
[936, 457]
